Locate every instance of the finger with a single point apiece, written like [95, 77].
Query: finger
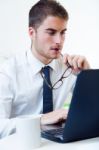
[65, 58]
[78, 62]
[86, 65]
[75, 62]
[71, 60]
[83, 63]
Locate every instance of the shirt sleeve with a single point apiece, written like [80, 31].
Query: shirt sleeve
[7, 125]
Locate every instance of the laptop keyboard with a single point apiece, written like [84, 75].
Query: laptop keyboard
[58, 131]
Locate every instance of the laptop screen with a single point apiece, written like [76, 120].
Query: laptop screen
[83, 117]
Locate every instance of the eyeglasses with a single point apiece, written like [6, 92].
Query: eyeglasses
[58, 83]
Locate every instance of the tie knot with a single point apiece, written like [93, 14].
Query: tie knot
[46, 70]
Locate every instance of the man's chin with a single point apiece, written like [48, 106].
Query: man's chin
[56, 56]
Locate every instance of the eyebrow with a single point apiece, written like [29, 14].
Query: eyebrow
[53, 30]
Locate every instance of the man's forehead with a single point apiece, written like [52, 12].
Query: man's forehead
[52, 22]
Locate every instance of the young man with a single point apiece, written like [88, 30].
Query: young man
[22, 78]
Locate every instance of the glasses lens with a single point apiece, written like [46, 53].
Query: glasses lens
[57, 84]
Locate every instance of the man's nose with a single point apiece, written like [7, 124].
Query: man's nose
[58, 39]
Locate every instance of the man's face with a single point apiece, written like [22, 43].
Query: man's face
[48, 38]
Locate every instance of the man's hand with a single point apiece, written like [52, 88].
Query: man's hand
[54, 117]
[77, 62]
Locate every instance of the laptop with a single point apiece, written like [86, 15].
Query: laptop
[83, 117]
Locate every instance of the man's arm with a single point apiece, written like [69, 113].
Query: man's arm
[7, 125]
[77, 63]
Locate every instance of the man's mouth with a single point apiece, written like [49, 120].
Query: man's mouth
[55, 49]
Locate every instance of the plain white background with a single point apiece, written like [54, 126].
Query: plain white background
[83, 28]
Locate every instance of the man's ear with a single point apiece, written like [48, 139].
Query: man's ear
[31, 31]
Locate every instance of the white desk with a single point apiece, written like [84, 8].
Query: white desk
[10, 143]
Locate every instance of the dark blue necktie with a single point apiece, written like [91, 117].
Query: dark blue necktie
[47, 91]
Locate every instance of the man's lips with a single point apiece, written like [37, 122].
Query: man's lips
[55, 49]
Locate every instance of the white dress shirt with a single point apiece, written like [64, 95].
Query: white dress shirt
[21, 88]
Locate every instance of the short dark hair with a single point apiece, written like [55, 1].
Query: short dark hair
[44, 8]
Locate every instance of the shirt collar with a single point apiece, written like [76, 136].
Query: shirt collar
[36, 65]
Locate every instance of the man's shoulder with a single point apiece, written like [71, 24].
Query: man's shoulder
[12, 63]
[20, 58]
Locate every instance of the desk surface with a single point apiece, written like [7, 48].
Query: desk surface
[10, 142]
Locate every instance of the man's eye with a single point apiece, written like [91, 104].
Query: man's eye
[51, 33]
[63, 33]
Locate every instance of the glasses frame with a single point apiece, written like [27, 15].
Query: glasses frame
[60, 79]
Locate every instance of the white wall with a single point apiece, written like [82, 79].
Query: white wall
[83, 32]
